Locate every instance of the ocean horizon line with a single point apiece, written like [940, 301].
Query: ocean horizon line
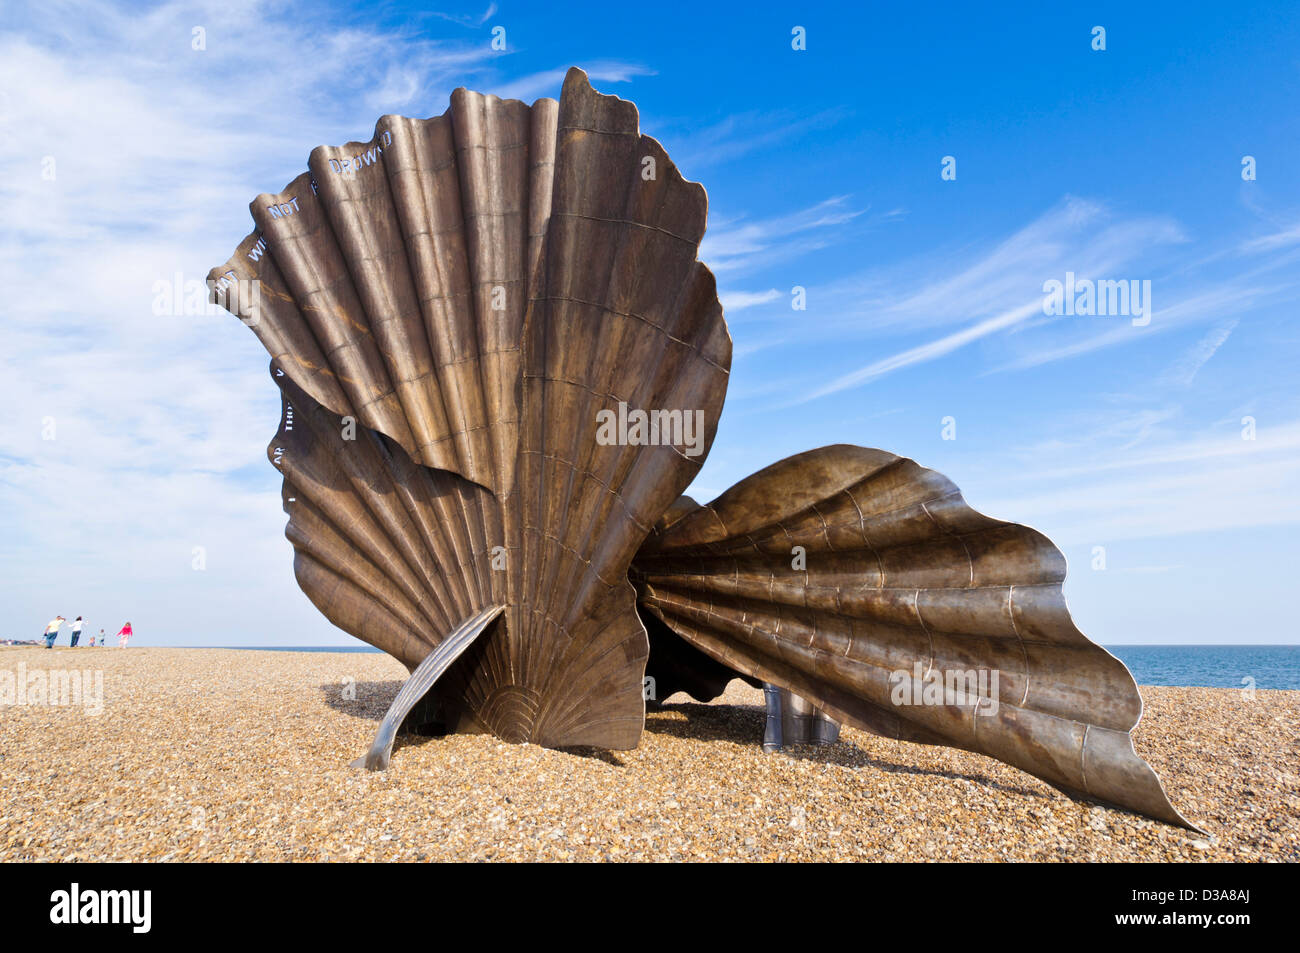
[1129, 645]
[1274, 666]
[1243, 667]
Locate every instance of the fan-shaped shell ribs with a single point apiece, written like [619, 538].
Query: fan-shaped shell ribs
[452, 306]
[901, 586]
[467, 293]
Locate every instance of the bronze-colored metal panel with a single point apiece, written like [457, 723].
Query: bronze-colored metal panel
[455, 301]
[899, 576]
[454, 305]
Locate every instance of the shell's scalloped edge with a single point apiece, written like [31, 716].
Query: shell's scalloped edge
[578, 73]
[1040, 539]
[574, 72]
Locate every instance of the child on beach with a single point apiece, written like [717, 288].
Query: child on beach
[103, 639]
[76, 631]
[92, 641]
[123, 634]
[52, 630]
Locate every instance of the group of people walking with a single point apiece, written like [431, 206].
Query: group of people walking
[52, 633]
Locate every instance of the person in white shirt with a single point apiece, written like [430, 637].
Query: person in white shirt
[52, 630]
[76, 631]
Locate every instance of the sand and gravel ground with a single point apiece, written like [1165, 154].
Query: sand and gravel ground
[210, 754]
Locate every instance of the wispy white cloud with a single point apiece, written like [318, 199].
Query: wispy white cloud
[1272, 241]
[1147, 570]
[1188, 365]
[999, 294]
[1164, 504]
[928, 351]
[1175, 485]
[733, 301]
[956, 286]
[548, 82]
[998, 291]
[1280, 440]
[131, 438]
[465, 19]
[1203, 304]
[739, 245]
[741, 134]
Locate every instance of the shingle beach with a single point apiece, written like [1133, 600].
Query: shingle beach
[212, 754]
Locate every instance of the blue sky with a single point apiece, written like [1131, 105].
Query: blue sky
[130, 438]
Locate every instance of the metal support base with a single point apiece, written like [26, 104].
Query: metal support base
[792, 720]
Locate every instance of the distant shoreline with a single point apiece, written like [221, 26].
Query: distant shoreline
[1235, 667]
[368, 648]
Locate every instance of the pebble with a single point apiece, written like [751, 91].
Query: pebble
[212, 754]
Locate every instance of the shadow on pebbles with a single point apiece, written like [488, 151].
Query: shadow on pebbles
[214, 754]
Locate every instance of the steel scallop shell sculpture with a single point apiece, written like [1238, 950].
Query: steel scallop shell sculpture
[450, 306]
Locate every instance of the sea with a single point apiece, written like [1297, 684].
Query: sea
[1212, 666]
[1209, 666]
